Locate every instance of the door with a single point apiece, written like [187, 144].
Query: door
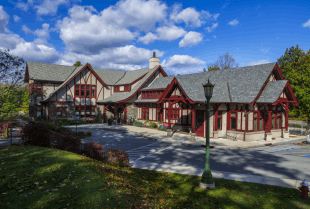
[199, 123]
[120, 115]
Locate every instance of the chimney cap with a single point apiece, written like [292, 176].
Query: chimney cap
[154, 54]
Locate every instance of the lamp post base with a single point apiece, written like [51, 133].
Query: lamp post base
[169, 132]
[207, 186]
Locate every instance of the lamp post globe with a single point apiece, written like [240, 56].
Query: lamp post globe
[207, 179]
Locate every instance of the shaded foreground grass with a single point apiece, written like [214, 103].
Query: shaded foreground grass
[37, 177]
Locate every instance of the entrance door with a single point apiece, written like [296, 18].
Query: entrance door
[199, 123]
[120, 115]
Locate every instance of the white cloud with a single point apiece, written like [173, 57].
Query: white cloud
[29, 51]
[121, 58]
[164, 33]
[234, 22]
[135, 13]
[214, 36]
[182, 61]
[26, 30]
[23, 6]
[306, 24]
[259, 62]
[44, 32]
[81, 34]
[16, 18]
[215, 16]
[190, 16]
[4, 19]
[148, 38]
[182, 64]
[190, 39]
[50, 7]
[170, 33]
[210, 29]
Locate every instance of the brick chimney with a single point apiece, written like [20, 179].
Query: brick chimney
[154, 60]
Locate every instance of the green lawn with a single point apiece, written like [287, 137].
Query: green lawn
[36, 177]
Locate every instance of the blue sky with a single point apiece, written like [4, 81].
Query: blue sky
[121, 35]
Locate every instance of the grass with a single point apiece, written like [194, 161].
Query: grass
[36, 177]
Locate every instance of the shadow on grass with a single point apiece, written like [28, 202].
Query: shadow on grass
[87, 183]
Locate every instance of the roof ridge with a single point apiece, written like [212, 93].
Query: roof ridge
[227, 69]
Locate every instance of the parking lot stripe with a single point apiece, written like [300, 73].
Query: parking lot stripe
[143, 146]
[151, 154]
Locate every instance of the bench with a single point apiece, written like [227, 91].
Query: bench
[90, 120]
[139, 124]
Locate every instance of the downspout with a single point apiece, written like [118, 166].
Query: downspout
[245, 115]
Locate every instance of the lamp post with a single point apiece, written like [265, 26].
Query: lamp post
[206, 179]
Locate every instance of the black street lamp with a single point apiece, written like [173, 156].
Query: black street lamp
[206, 179]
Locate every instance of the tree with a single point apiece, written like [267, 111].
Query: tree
[204, 70]
[11, 71]
[225, 61]
[77, 64]
[295, 67]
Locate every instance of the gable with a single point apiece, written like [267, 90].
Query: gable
[82, 74]
[174, 91]
[283, 95]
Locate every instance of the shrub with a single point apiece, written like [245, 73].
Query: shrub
[40, 118]
[64, 130]
[66, 142]
[153, 125]
[94, 151]
[117, 158]
[88, 133]
[36, 134]
[51, 126]
[147, 123]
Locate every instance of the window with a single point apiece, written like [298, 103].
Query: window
[233, 119]
[257, 121]
[145, 113]
[61, 112]
[219, 120]
[85, 91]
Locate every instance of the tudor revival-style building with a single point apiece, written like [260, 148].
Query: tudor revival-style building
[251, 103]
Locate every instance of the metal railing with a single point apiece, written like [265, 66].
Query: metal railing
[10, 130]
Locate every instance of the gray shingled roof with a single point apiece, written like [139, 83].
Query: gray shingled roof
[109, 77]
[244, 83]
[160, 83]
[77, 69]
[272, 91]
[146, 100]
[124, 95]
[50, 72]
[131, 76]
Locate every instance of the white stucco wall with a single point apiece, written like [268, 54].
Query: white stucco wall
[70, 90]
